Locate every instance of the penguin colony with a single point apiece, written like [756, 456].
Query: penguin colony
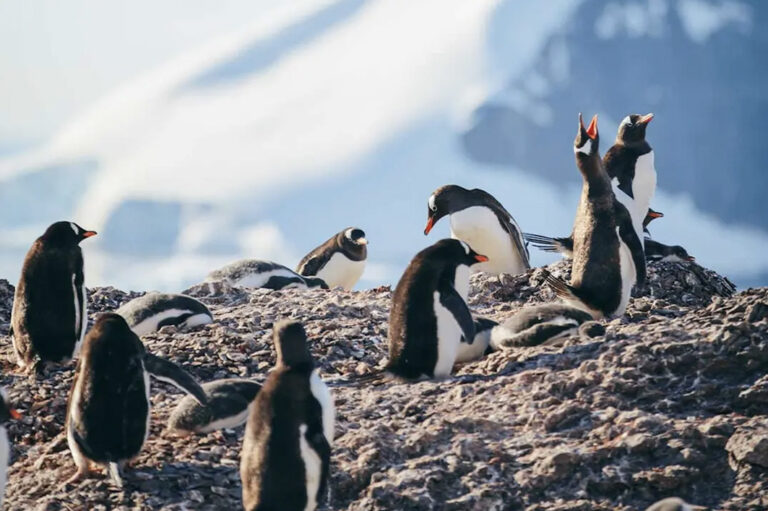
[289, 416]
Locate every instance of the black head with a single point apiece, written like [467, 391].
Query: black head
[110, 323]
[315, 282]
[455, 253]
[66, 233]
[678, 253]
[632, 128]
[354, 237]
[587, 141]
[444, 201]
[291, 344]
[7, 412]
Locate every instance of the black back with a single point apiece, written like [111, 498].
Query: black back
[150, 304]
[619, 161]
[271, 469]
[226, 398]
[44, 303]
[108, 404]
[313, 262]
[412, 321]
[655, 251]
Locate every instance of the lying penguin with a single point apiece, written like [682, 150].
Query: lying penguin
[227, 407]
[674, 504]
[108, 409]
[655, 251]
[263, 274]
[152, 311]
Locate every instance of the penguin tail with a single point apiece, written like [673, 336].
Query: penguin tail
[544, 243]
[560, 287]
[114, 473]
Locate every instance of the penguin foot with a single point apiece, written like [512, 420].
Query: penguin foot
[82, 473]
[115, 474]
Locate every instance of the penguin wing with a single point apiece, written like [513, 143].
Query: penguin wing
[451, 300]
[547, 244]
[515, 235]
[629, 236]
[315, 437]
[169, 372]
[312, 263]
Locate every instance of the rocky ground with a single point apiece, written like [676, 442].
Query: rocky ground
[671, 399]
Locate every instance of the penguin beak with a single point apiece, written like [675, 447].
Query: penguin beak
[14, 413]
[655, 214]
[691, 259]
[480, 258]
[430, 223]
[592, 129]
[362, 241]
[645, 119]
[88, 234]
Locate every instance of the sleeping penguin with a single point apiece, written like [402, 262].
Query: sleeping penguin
[6, 413]
[536, 325]
[479, 220]
[429, 315]
[286, 455]
[608, 257]
[227, 407]
[263, 274]
[50, 313]
[340, 261]
[108, 410]
[655, 251]
[152, 311]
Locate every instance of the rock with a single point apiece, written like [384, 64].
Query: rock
[749, 444]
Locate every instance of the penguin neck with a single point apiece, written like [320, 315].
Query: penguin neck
[596, 180]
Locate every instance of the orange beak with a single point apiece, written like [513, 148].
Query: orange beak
[691, 258]
[430, 224]
[481, 258]
[655, 214]
[592, 129]
[15, 414]
[88, 234]
[645, 119]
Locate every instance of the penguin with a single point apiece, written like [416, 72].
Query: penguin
[475, 349]
[108, 409]
[565, 245]
[227, 407]
[340, 261]
[608, 256]
[536, 325]
[286, 454]
[674, 504]
[7, 412]
[479, 220]
[50, 311]
[263, 274]
[630, 167]
[655, 251]
[429, 315]
[152, 311]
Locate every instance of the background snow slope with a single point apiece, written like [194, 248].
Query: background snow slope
[267, 139]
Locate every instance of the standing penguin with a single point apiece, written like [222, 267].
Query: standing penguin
[108, 408]
[429, 316]
[629, 164]
[50, 311]
[479, 220]
[608, 256]
[6, 413]
[340, 261]
[286, 452]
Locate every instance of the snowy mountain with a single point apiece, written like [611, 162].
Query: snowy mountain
[350, 112]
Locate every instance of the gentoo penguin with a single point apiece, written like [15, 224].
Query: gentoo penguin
[630, 167]
[108, 407]
[655, 251]
[608, 256]
[340, 261]
[479, 220]
[227, 407]
[535, 325]
[50, 313]
[263, 274]
[429, 315]
[6, 412]
[565, 245]
[474, 350]
[152, 311]
[286, 453]
[674, 504]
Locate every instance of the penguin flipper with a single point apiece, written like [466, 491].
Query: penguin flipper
[310, 265]
[536, 335]
[547, 244]
[560, 287]
[451, 300]
[516, 237]
[629, 236]
[169, 372]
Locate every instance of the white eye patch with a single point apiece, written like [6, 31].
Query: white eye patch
[348, 234]
[432, 203]
[74, 227]
[586, 148]
[626, 121]
[466, 247]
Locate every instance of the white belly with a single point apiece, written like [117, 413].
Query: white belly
[631, 205]
[226, 423]
[150, 324]
[341, 271]
[628, 275]
[479, 227]
[644, 184]
[260, 279]
[448, 338]
[323, 395]
[312, 469]
[474, 351]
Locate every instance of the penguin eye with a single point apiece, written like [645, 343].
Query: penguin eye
[432, 205]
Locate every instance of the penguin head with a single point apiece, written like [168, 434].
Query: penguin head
[291, 344]
[679, 254]
[587, 139]
[111, 324]
[456, 253]
[632, 128]
[7, 412]
[651, 216]
[355, 237]
[444, 201]
[66, 233]
[315, 282]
